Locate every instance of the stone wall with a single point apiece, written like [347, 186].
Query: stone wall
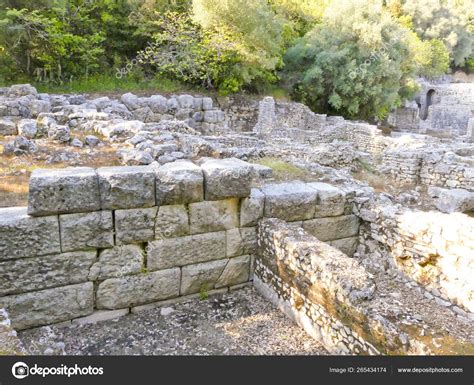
[432, 248]
[116, 238]
[338, 302]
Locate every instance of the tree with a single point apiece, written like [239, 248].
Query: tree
[355, 63]
[448, 21]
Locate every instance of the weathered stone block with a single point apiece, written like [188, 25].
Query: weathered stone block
[100, 315]
[207, 103]
[25, 236]
[117, 262]
[68, 190]
[166, 253]
[236, 271]
[135, 225]
[202, 276]
[126, 187]
[251, 208]
[210, 216]
[117, 293]
[226, 178]
[49, 306]
[455, 200]
[28, 274]
[178, 183]
[289, 201]
[171, 221]
[347, 245]
[331, 200]
[84, 231]
[241, 241]
[27, 128]
[7, 127]
[331, 228]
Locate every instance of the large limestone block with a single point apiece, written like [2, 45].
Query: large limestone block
[226, 178]
[241, 241]
[135, 225]
[201, 277]
[126, 187]
[293, 201]
[117, 293]
[331, 228]
[251, 208]
[68, 190]
[179, 182]
[49, 306]
[28, 274]
[117, 262]
[25, 236]
[8, 127]
[455, 200]
[84, 231]
[236, 271]
[210, 216]
[171, 221]
[347, 245]
[166, 253]
[331, 200]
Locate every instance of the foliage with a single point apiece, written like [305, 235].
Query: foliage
[354, 63]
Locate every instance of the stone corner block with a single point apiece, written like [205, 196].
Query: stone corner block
[226, 178]
[126, 187]
[251, 208]
[60, 191]
[293, 201]
[179, 182]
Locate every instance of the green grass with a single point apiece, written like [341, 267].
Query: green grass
[283, 170]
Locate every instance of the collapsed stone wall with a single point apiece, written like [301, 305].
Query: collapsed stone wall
[338, 302]
[432, 248]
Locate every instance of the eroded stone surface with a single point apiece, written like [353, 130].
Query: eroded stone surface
[135, 225]
[171, 221]
[330, 228]
[210, 216]
[117, 262]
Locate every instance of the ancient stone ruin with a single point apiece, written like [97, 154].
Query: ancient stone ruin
[363, 238]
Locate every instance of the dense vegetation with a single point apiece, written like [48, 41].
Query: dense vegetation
[356, 58]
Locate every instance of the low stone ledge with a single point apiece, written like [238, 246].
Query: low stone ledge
[24, 236]
[30, 274]
[59, 191]
[166, 253]
[85, 231]
[49, 306]
[126, 187]
[117, 293]
[101, 315]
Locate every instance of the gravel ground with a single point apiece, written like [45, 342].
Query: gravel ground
[236, 323]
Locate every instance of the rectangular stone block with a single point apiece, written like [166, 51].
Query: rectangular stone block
[293, 201]
[201, 276]
[179, 182]
[251, 208]
[117, 262]
[236, 271]
[49, 306]
[24, 236]
[29, 274]
[117, 293]
[135, 225]
[210, 216]
[101, 315]
[126, 187]
[241, 241]
[68, 190]
[331, 200]
[347, 245]
[182, 251]
[86, 230]
[331, 228]
[226, 178]
[171, 221]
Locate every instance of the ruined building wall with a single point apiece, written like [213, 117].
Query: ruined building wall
[432, 248]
